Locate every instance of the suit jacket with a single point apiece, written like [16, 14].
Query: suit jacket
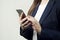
[50, 23]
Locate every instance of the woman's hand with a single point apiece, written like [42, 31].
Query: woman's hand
[35, 24]
[29, 20]
[24, 23]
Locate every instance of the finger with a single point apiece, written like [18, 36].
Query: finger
[23, 20]
[25, 23]
[29, 17]
[24, 27]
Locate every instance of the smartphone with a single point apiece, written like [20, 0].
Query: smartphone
[20, 11]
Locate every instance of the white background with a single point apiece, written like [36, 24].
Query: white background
[9, 24]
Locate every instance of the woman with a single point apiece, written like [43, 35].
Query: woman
[48, 27]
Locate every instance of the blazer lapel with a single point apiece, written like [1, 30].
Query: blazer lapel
[47, 10]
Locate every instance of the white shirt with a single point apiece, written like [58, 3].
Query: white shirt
[38, 15]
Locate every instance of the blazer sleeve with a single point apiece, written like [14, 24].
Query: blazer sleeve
[27, 33]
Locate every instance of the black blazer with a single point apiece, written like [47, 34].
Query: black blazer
[50, 22]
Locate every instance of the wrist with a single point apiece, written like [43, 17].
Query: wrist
[39, 30]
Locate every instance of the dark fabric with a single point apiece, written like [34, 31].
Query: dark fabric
[27, 33]
[50, 23]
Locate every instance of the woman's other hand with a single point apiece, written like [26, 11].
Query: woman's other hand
[35, 24]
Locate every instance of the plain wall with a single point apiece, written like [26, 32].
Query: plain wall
[9, 24]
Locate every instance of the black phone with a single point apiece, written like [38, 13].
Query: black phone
[20, 11]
